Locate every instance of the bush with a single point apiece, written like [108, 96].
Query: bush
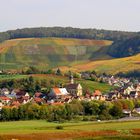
[78, 118]
[61, 120]
[93, 118]
[105, 117]
[116, 111]
[60, 127]
[86, 118]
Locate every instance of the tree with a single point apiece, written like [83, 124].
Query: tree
[43, 112]
[5, 114]
[21, 112]
[50, 71]
[33, 111]
[76, 107]
[14, 114]
[32, 70]
[116, 111]
[104, 111]
[91, 108]
[58, 72]
[69, 113]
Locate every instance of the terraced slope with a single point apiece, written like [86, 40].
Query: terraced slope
[50, 52]
[112, 66]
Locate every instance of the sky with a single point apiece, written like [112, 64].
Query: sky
[121, 15]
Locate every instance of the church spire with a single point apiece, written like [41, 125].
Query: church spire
[71, 79]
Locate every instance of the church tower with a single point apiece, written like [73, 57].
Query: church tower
[71, 79]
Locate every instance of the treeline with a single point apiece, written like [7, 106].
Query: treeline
[81, 110]
[67, 32]
[126, 47]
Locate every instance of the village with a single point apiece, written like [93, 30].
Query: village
[125, 89]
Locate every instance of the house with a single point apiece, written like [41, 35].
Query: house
[14, 91]
[24, 99]
[67, 100]
[1, 71]
[5, 91]
[21, 96]
[129, 89]
[15, 104]
[1, 105]
[111, 96]
[38, 94]
[38, 100]
[58, 93]
[5, 100]
[97, 94]
[11, 96]
[22, 93]
[138, 88]
[137, 110]
[126, 112]
[133, 94]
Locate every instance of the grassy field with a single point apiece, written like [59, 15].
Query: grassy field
[9, 77]
[48, 52]
[71, 130]
[70, 54]
[112, 66]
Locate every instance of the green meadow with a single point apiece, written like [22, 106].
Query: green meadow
[9, 77]
[70, 130]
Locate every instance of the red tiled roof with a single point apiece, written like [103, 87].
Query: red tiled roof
[56, 90]
[38, 100]
[97, 93]
[4, 98]
[25, 97]
[21, 93]
[57, 103]
[15, 103]
[37, 94]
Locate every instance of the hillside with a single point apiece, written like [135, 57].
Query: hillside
[111, 66]
[124, 43]
[68, 54]
[50, 52]
[70, 48]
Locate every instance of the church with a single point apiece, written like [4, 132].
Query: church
[75, 89]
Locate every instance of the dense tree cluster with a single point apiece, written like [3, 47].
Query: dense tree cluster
[30, 85]
[67, 32]
[127, 47]
[92, 110]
